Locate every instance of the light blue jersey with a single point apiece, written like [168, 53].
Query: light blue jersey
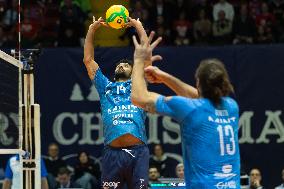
[209, 140]
[119, 115]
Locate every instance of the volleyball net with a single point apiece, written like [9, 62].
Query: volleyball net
[20, 116]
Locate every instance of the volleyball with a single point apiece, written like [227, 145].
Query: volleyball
[116, 16]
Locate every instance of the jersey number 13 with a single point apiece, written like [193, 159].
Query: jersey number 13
[226, 132]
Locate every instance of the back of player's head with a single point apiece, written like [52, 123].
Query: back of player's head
[130, 62]
[213, 80]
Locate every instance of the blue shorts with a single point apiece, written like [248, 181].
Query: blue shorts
[125, 166]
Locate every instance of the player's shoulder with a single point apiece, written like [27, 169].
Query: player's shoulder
[231, 102]
[184, 101]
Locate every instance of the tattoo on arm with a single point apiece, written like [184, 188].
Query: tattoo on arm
[150, 107]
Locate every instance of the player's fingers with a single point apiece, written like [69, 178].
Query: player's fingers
[100, 19]
[151, 36]
[136, 44]
[155, 43]
[156, 58]
[105, 24]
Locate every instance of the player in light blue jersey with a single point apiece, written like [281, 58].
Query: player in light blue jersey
[126, 156]
[209, 123]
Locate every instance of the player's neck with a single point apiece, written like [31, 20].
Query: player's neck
[122, 80]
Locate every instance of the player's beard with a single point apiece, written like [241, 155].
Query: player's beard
[121, 75]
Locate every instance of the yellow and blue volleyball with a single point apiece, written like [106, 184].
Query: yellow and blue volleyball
[116, 16]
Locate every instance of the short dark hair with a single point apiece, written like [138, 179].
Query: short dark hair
[214, 80]
[63, 170]
[130, 62]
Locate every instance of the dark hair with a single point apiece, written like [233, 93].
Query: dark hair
[130, 62]
[213, 80]
[63, 170]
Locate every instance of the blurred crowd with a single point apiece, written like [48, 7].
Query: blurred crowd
[53, 23]
[220, 22]
[85, 171]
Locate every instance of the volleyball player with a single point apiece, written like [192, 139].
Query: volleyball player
[209, 124]
[126, 155]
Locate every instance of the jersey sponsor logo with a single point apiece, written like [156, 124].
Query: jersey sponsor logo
[222, 120]
[226, 172]
[225, 185]
[111, 184]
[122, 108]
[119, 122]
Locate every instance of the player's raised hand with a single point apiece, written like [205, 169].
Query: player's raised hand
[97, 23]
[133, 22]
[143, 51]
[153, 74]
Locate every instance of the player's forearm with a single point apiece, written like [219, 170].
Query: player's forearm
[179, 87]
[141, 32]
[139, 91]
[89, 45]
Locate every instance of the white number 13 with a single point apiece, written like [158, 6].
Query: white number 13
[229, 148]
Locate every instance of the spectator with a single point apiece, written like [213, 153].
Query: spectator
[244, 28]
[180, 170]
[222, 29]
[154, 175]
[11, 15]
[264, 35]
[64, 179]
[53, 163]
[202, 5]
[281, 186]
[87, 173]
[228, 9]
[182, 29]
[13, 173]
[255, 179]
[161, 9]
[71, 27]
[265, 18]
[142, 13]
[160, 161]
[254, 8]
[202, 29]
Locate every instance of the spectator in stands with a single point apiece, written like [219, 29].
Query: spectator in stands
[71, 27]
[202, 5]
[244, 28]
[64, 179]
[13, 173]
[49, 32]
[264, 35]
[254, 8]
[53, 163]
[265, 18]
[202, 29]
[281, 186]
[180, 170]
[222, 29]
[226, 7]
[139, 11]
[154, 175]
[87, 173]
[11, 15]
[278, 12]
[161, 9]
[182, 28]
[30, 29]
[255, 179]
